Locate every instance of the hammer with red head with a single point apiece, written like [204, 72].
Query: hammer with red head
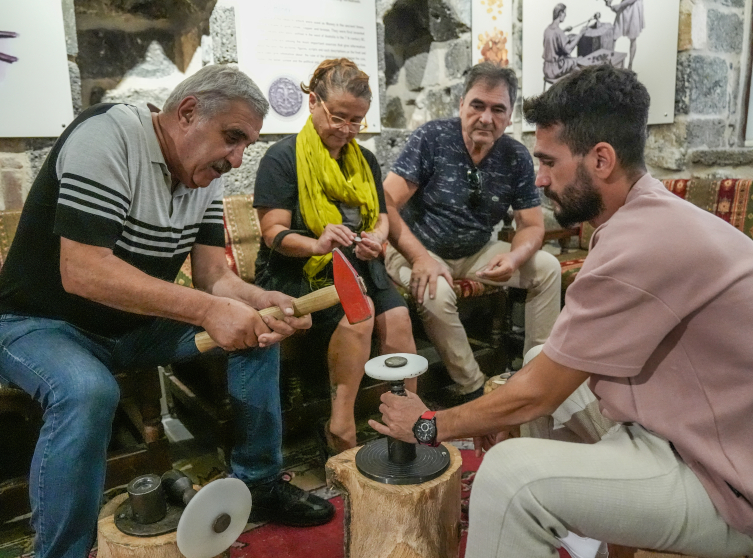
[348, 290]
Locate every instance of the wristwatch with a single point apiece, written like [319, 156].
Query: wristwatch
[425, 429]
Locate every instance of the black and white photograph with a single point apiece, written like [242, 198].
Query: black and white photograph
[639, 35]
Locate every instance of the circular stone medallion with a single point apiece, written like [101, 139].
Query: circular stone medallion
[285, 97]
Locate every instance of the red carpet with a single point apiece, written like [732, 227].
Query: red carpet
[326, 541]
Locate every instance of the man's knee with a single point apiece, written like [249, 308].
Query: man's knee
[541, 270]
[93, 400]
[508, 468]
[444, 301]
[547, 265]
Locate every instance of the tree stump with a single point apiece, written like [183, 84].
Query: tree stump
[113, 543]
[398, 521]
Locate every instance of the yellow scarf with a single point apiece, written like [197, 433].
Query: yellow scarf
[320, 181]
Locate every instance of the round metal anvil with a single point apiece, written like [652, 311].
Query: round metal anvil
[393, 461]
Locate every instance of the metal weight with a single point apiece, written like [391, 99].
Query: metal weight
[147, 499]
[146, 512]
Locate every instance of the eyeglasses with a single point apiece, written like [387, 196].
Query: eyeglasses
[474, 179]
[337, 122]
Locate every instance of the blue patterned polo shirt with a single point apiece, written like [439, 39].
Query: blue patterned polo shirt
[436, 159]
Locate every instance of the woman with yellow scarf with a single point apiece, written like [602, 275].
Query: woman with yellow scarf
[319, 190]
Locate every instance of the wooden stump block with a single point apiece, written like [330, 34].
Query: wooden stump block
[398, 521]
[113, 543]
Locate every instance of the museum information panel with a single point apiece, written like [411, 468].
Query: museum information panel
[280, 44]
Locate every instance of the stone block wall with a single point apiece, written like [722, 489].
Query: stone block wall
[138, 50]
[713, 73]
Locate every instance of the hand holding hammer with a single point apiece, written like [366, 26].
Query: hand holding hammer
[348, 289]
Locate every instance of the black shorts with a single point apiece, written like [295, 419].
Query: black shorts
[379, 288]
[286, 274]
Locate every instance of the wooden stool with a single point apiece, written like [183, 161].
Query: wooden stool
[398, 521]
[113, 543]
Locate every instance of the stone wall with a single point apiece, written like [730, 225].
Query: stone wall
[138, 50]
[713, 70]
[713, 73]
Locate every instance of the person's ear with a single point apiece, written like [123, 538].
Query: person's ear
[604, 159]
[187, 111]
[460, 106]
[312, 101]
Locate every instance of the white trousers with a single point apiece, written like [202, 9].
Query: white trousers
[628, 488]
[540, 276]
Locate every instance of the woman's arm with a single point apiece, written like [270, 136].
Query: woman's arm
[294, 245]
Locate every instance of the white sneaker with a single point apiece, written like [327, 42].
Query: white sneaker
[583, 547]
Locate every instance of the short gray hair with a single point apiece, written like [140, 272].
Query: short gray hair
[492, 75]
[558, 9]
[216, 85]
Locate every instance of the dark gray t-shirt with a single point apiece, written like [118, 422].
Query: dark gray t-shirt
[436, 159]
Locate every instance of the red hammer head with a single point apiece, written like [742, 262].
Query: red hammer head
[350, 289]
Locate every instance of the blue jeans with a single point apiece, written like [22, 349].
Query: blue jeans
[69, 372]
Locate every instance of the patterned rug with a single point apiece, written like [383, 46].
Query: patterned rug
[275, 541]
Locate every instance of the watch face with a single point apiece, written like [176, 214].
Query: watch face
[425, 431]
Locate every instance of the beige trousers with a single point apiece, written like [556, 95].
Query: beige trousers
[540, 276]
[628, 488]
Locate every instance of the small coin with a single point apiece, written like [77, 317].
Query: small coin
[395, 362]
[285, 97]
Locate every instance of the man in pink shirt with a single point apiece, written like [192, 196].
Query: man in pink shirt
[657, 325]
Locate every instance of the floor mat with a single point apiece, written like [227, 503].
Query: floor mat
[326, 541]
[274, 541]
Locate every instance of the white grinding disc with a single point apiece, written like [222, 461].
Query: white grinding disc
[196, 538]
[378, 369]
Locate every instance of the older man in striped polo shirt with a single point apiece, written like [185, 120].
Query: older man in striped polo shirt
[123, 197]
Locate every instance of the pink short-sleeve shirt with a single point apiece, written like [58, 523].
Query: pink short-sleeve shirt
[661, 315]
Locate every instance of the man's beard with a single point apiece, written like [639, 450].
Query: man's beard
[580, 200]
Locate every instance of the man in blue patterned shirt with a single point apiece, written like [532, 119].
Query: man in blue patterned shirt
[451, 185]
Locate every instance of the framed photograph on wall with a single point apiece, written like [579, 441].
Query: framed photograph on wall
[559, 37]
[491, 29]
[35, 87]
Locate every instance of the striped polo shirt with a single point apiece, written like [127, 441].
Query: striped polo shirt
[105, 183]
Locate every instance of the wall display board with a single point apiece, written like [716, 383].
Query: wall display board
[35, 90]
[559, 37]
[280, 44]
[491, 29]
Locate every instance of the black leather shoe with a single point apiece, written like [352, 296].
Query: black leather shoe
[281, 502]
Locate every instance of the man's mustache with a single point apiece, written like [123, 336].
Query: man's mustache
[551, 195]
[222, 166]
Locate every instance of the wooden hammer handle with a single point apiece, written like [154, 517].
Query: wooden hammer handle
[315, 300]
